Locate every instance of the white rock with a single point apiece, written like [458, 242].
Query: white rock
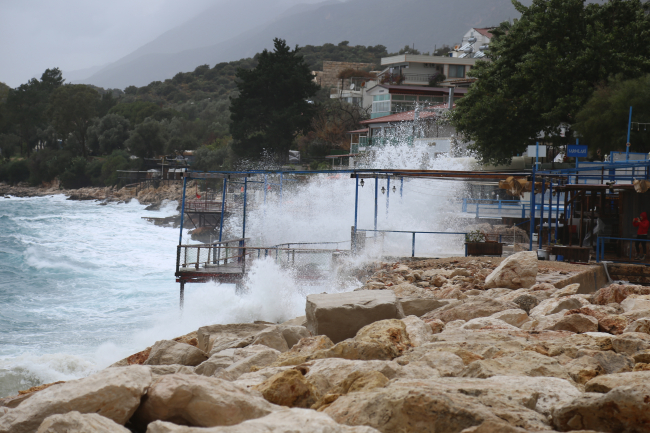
[200, 401]
[246, 358]
[342, 315]
[168, 352]
[640, 325]
[272, 337]
[74, 422]
[570, 290]
[418, 331]
[293, 420]
[223, 336]
[556, 305]
[454, 325]
[114, 393]
[447, 364]
[635, 303]
[492, 323]
[578, 323]
[325, 374]
[293, 334]
[516, 271]
[514, 317]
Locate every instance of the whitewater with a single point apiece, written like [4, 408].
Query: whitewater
[84, 285]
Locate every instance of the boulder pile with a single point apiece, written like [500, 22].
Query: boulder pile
[404, 353]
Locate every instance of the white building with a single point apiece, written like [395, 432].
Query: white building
[474, 45]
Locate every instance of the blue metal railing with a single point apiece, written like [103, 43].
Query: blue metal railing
[501, 207]
[600, 246]
[414, 233]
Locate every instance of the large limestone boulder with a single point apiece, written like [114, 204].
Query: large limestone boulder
[391, 333]
[303, 350]
[113, 393]
[630, 343]
[283, 421]
[557, 305]
[526, 363]
[488, 323]
[168, 352]
[416, 306]
[358, 381]
[515, 317]
[326, 374]
[583, 369]
[75, 422]
[578, 323]
[605, 383]
[515, 272]
[641, 325]
[200, 401]
[289, 388]
[623, 409]
[417, 330]
[220, 337]
[247, 358]
[636, 303]
[272, 337]
[616, 293]
[293, 334]
[471, 309]
[342, 315]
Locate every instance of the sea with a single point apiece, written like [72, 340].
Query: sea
[83, 285]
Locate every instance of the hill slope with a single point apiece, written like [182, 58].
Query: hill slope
[425, 23]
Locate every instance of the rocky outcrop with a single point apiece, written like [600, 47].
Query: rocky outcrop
[470, 309]
[517, 271]
[215, 338]
[289, 388]
[342, 315]
[113, 393]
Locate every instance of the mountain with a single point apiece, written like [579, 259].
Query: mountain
[425, 23]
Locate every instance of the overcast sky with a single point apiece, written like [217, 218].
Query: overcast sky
[77, 34]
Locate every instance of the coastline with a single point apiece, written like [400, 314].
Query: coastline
[147, 196]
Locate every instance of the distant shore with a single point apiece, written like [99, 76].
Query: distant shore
[146, 196]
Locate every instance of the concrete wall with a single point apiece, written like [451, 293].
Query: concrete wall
[328, 76]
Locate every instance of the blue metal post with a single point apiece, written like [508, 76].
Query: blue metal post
[244, 216]
[180, 236]
[223, 206]
[629, 130]
[413, 246]
[550, 209]
[536, 152]
[281, 188]
[376, 191]
[401, 187]
[266, 187]
[387, 195]
[532, 210]
[540, 238]
[465, 205]
[557, 214]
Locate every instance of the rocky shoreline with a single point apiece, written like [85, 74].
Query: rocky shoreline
[456, 345]
[148, 196]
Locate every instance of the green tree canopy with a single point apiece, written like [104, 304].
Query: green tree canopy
[602, 123]
[72, 108]
[147, 139]
[545, 67]
[272, 107]
[108, 134]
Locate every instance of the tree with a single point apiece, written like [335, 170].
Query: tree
[147, 139]
[602, 123]
[72, 108]
[545, 67]
[108, 134]
[272, 106]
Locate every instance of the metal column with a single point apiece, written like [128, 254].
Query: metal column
[550, 209]
[387, 195]
[180, 236]
[356, 212]
[244, 213]
[540, 238]
[376, 197]
[629, 129]
[223, 207]
[532, 211]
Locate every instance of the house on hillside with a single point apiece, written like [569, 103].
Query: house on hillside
[474, 44]
[351, 90]
[392, 99]
[418, 70]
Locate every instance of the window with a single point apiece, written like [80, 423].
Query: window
[378, 98]
[381, 107]
[456, 71]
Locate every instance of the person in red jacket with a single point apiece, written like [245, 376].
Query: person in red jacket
[642, 233]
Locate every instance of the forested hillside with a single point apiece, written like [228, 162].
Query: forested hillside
[82, 134]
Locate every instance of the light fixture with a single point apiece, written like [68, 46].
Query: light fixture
[383, 190]
[394, 189]
[361, 183]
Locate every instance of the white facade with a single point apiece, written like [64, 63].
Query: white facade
[418, 69]
[474, 44]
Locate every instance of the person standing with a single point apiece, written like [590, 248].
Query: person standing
[642, 233]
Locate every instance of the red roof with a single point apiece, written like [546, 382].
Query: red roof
[406, 116]
[485, 32]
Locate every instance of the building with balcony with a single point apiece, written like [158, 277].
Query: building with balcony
[418, 70]
[474, 45]
[392, 99]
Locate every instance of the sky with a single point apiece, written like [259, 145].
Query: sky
[77, 34]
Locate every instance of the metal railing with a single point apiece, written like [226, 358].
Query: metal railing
[203, 206]
[413, 233]
[488, 207]
[600, 246]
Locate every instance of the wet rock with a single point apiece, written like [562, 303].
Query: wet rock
[578, 323]
[168, 352]
[622, 409]
[75, 422]
[113, 393]
[220, 337]
[616, 293]
[514, 317]
[283, 421]
[200, 401]
[630, 343]
[605, 383]
[417, 331]
[289, 388]
[342, 315]
[516, 271]
[470, 309]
